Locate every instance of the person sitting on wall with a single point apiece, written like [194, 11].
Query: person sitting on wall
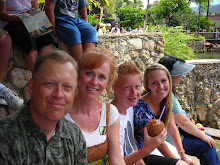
[72, 30]
[37, 133]
[9, 21]
[195, 143]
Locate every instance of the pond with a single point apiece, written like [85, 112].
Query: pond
[214, 54]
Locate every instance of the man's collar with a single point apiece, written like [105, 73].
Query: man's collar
[33, 130]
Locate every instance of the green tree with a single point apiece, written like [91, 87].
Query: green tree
[110, 11]
[177, 43]
[203, 4]
[131, 17]
[166, 9]
[207, 24]
[217, 13]
[186, 18]
[145, 19]
[129, 4]
[98, 4]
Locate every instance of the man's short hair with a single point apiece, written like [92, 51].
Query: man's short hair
[57, 55]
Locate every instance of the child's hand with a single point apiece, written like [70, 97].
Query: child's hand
[154, 142]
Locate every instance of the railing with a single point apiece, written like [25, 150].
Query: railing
[210, 35]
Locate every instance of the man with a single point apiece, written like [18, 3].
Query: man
[72, 30]
[7, 96]
[37, 134]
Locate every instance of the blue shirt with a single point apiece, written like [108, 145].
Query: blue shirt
[176, 110]
[68, 8]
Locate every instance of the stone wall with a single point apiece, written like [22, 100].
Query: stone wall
[199, 94]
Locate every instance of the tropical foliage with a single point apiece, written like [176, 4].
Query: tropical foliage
[168, 8]
[207, 24]
[41, 4]
[93, 19]
[131, 17]
[175, 14]
[177, 42]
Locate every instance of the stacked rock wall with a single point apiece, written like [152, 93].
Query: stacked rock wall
[199, 92]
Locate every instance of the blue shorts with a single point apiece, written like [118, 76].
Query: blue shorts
[75, 31]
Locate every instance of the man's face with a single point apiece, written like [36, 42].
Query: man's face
[116, 25]
[52, 92]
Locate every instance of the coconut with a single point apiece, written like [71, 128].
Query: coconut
[154, 127]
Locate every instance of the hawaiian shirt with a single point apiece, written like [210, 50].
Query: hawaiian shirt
[23, 142]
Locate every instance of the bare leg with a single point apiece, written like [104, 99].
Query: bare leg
[7, 96]
[5, 47]
[89, 45]
[45, 49]
[31, 58]
[76, 51]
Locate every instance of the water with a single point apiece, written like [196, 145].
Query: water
[214, 54]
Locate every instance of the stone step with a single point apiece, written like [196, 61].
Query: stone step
[194, 159]
[215, 133]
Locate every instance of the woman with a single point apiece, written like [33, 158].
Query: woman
[98, 121]
[127, 90]
[194, 142]
[158, 85]
[9, 21]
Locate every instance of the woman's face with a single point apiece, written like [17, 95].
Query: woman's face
[176, 80]
[92, 82]
[158, 83]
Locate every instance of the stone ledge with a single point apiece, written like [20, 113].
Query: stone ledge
[203, 61]
[194, 159]
[215, 133]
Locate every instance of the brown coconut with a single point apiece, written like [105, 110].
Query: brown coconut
[154, 127]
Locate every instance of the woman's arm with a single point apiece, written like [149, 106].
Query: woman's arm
[114, 153]
[49, 10]
[185, 124]
[175, 136]
[164, 149]
[4, 16]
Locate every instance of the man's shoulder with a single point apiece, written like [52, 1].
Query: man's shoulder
[73, 129]
[10, 121]
[72, 133]
[70, 124]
